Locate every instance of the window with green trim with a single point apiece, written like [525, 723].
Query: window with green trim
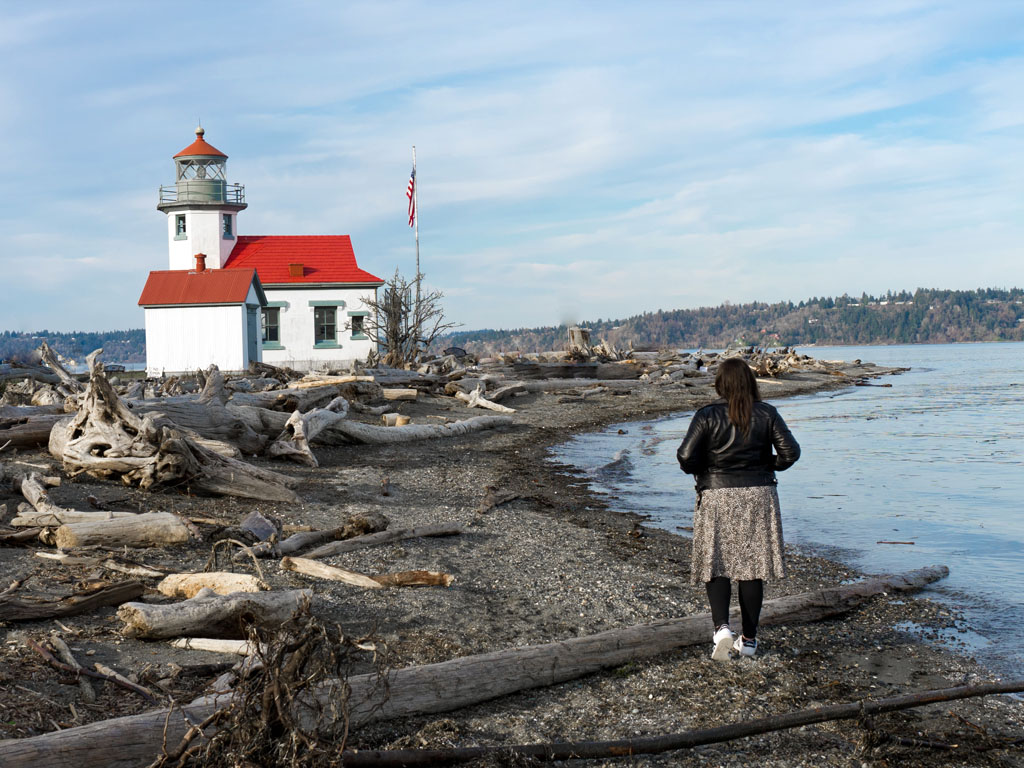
[325, 322]
[227, 226]
[272, 325]
[179, 227]
[357, 325]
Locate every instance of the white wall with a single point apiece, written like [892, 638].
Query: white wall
[297, 329]
[203, 234]
[182, 339]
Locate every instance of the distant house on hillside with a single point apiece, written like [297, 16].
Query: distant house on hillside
[304, 298]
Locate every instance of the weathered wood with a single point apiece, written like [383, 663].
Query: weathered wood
[326, 381]
[16, 609]
[321, 571]
[64, 654]
[399, 579]
[37, 372]
[205, 415]
[126, 742]
[383, 537]
[211, 615]
[652, 745]
[60, 516]
[506, 391]
[236, 647]
[476, 400]
[26, 429]
[359, 524]
[107, 438]
[302, 428]
[151, 529]
[220, 582]
[399, 393]
[346, 432]
[72, 384]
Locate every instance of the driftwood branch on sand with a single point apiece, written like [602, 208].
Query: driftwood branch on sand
[400, 579]
[128, 741]
[383, 537]
[105, 437]
[652, 745]
[302, 428]
[17, 609]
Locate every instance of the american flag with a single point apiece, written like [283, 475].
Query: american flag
[410, 192]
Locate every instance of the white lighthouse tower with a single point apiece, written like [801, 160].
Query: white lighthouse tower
[201, 207]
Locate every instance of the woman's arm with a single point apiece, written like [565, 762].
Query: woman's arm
[786, 448]
[692, 453]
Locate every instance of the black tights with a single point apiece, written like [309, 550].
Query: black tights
[751, 595]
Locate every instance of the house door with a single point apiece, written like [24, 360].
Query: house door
[252, 333]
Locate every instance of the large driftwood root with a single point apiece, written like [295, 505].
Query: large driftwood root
[439, 687]
[106, 438]
[302, 428]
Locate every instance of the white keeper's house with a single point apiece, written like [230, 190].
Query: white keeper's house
[230, 299]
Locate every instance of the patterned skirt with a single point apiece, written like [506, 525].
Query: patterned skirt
[737, 533]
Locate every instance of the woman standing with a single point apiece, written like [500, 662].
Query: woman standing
[737, 525]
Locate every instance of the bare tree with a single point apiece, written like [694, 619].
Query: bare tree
[401, 329]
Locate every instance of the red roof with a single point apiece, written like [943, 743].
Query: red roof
[200, 147]
[323, 259]
[211, 286]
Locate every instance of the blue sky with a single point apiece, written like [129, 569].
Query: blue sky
[576, 160]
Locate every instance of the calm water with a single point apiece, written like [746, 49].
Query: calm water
[937, 460]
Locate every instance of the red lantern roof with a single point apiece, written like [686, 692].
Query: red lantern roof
[200, 147]
[299, 259]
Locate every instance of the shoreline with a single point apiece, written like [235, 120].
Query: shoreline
[553, 560]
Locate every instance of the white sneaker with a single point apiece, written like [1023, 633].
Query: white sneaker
[744, 646]
[723, 641]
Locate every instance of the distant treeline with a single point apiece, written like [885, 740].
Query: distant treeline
[924, 316]
[118, 346]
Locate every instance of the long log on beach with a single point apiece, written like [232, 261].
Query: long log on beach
[28, 425]
[127, 742]
[653, 745]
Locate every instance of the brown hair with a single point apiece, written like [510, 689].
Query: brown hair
[736, 383]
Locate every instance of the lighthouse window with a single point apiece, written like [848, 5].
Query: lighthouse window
[179, 227]
[325, 321]
[271, 325]
[228, 234]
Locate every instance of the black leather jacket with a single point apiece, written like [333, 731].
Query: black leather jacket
[720, 456]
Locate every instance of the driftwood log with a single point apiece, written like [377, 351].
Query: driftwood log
[400, 579]
[211, 615]
[18, 609]
[652, 745]
[28, 425]
[346, 432]
[108, 438]
[129, 741]
[383, 537]
[355, 526]
[475, 399]
[37, 372]
[151, 529]
[70, 383]
[220, 582]
[206, 415]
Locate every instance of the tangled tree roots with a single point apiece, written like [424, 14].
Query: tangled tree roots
[270, 720]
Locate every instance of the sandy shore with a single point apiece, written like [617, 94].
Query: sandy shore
[554, 561]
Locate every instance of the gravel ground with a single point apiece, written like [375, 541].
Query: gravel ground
[552, 562]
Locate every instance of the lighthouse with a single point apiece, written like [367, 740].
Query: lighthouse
[229, 299]
[201, 207]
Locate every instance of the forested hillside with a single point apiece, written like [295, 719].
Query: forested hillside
[118, 346]
[925, 316]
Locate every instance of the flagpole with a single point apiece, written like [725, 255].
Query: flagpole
[416, 227]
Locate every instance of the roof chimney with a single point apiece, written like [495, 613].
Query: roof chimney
[200, 262]
[295, 270]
